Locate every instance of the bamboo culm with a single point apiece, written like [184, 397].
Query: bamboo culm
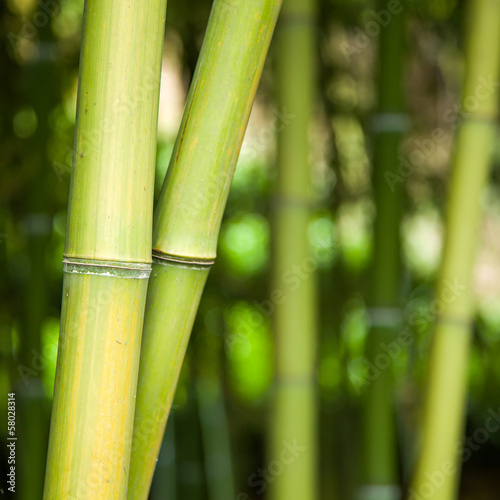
[293, 419]
[107, 257]
[380, 451]
[189, 211]
[443, 415]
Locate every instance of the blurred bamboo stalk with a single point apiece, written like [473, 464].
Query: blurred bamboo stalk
[380, 471]
[42, 86]
[190, 209]
[107, 257]
[191, 480]
[215, 439]
[292, 440]
[164, 484]
[214, 426]
[438, 466]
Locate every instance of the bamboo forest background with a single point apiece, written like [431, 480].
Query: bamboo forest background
[215, 444]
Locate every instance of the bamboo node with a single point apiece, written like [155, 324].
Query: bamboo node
[390, 123]
[447, 319]
[131, 270]
[292, 202]
[379, 492]
[164, 258]
[305, 380]
[385, 317]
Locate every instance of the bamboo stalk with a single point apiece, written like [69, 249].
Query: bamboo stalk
[293, 420]
[208, 374]
[380, 474]
[190, 209]
[108, 250]
[164, 483]
[215, 439]
[191, 480]
[438, 467]
[40, 80]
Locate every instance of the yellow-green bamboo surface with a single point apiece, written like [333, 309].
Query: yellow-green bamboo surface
[439, 462]
[107, 257]
[190, 209]
[294, 416]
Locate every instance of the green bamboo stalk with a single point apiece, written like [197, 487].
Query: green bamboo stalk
[191, 481]
[164, 484]
[293, 420]
[380, 471]
[107, 255]
[208, 373]
[190, 209]
[40, 83]
[438, 467]
[215, 439]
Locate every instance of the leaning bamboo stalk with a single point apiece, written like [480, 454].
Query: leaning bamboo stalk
[380, 471]
[294, 414]
[438, 466]
[107, 257]
[190, 209]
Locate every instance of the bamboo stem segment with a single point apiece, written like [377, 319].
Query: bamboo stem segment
[438, 467]
[190, 209]
[212, 130]
[294, 414]
[380, 471]
[108, 250]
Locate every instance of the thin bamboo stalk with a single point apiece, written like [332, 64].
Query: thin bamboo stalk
[164, 483]
[40, 80]
[293, 420]
[190, 209]
[380, 471]
[208, 373]
[191, 480]
[108, 250]
[438, 466]
[215, 439]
